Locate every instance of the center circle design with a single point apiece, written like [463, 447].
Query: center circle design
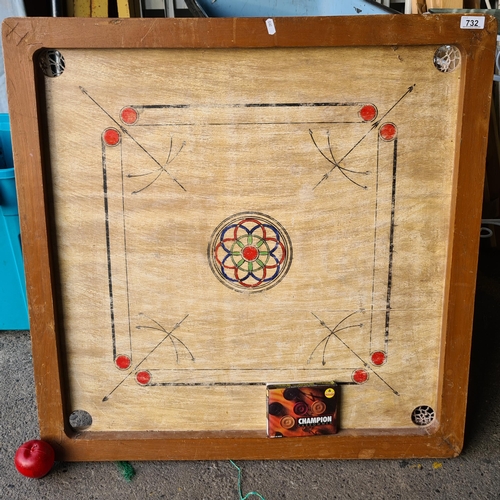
[250, 252]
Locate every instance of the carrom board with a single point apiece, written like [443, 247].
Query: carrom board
[209, 206]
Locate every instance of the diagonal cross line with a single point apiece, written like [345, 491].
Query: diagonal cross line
[125, 131]
[365, 364]
[168, 334]
[374, 126]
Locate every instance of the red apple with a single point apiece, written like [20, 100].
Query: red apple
[34, 458]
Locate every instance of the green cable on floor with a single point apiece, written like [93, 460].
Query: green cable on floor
[128, 472]
[126, 469]
[239, 486]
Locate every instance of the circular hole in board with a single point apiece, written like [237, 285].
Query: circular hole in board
[447, 58]
[51, 62]
[80, 420]
[422, 415]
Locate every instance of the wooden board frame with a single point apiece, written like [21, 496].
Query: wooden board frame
[23, 38]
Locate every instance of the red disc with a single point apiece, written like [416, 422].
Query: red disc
[360, 376]
[250, 253]
[122, 362]
[388, 131]
[368, 112]
[143, 377]
[129, 116]
[378, 358]
[111, 136]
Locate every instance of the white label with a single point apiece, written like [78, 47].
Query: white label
[270, 26]
[472, 22]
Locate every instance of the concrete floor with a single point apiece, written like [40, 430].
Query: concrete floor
[475, 474]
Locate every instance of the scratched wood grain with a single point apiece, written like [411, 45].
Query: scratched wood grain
[276, 132]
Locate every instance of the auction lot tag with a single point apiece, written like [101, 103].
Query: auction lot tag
[472, 22]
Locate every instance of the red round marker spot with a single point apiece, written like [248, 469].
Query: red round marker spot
[122, 362]
[250, 253]
[129, 116]
[388, 131]
[368, 112]
[360, 376]
[378, 358]
[143, 377]
[111, 136]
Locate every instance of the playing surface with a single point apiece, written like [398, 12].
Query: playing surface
[231, 218]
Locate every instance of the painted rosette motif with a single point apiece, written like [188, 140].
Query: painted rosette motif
[250, 252]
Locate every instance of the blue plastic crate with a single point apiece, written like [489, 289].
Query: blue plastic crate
[13, 303]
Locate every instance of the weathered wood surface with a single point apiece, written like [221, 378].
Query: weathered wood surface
[261, 159]
[374, 227]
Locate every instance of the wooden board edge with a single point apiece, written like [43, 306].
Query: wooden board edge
[60, 33]
[254, 446]
[23, 37]
[28, 150]
[472, 142]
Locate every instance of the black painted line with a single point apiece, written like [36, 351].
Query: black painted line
[108, 247]
[250, 105]
[173, 338]
[335, 329]
[224, 384]
[375, 125]
[203, 384]
[247, 369]
[125, 131]
[365, 364]
[160, 170]
[177, 325]
[391, 244]
[335, 164]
